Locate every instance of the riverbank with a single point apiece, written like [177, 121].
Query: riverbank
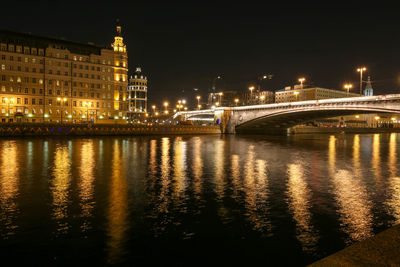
[15, 130]
[330, 130]
[380, 250]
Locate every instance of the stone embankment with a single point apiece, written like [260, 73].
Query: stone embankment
[382, 249]
[31, 129]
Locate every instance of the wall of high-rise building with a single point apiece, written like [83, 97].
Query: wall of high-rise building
[45, 79]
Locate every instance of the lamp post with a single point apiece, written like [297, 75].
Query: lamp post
[301, 80]
[166, 107]
[236, 101]
[60, 102]
[361, 70]
[251, 88]
[220, 97]
[198, 100]
[87, 109]
[348, 86]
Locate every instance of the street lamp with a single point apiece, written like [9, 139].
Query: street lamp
[301, 80]
[166, 106]
[251, 88]
[236, 101]
[220, 97]
[60, 102]
[198, 100]
[361, 70]
[348, 86]
[262, 97]
[154, 108]
[87, 109]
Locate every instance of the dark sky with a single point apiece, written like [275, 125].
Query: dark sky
[183, 46]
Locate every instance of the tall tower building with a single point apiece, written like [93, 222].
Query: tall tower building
[120, 74]
[137, 96]
[368, 91]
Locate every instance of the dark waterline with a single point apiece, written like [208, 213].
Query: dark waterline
[194, 200]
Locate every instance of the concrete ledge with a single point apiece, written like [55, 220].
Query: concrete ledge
[11, 130]
[382, 249]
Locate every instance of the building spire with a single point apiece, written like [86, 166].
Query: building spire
[368, 91]
[118, 27]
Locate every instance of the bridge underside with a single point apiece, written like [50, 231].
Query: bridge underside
[278, 124]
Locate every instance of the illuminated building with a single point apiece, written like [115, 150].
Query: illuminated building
[46, 79]
[137, 96]
[297, 93]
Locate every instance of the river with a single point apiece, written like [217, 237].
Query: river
[194, 200]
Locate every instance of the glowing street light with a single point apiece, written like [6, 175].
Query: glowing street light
[348, 86]
[236, 101]
[301, 80]
[198, 100]
[86, 104]
[251, 88]
[361, 70]
[296, 94]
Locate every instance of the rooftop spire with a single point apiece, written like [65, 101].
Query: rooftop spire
[118, 27]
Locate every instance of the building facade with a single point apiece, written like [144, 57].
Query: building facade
[290, 94]
[137, 96]
[45, 79]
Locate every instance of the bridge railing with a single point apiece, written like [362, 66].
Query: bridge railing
[296, 103]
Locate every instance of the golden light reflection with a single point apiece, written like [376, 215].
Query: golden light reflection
[219, 160]
[85, 184]
[376, 158]
[180, 165]
[118, 206]
[332, 154]
[153, 158]
[354, 205]
[165, 173]
[299, 196]
[356, 154]
[9, 182]
[197, 167]
[235, 170]
[394, 180]
[350, 194]
[59, 187]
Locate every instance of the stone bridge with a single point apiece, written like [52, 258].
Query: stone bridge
[277, 118]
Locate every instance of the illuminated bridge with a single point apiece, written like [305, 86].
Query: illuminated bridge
[277, 118]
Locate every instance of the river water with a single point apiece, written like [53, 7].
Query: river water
[194, 200]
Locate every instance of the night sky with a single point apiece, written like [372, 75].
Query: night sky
[184, 46]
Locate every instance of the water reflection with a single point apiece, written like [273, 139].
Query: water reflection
[165, 179]
[59, 188]
[117, 214]
[394, 180]
[9, 191]
[86, 187]
[180, 164]
[197, 168]
[350, 194]
[299, 196]
[376, 158]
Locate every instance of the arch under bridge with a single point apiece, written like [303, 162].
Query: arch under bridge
[278, 117]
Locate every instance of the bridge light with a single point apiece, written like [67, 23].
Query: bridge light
[348, 86]
[357, 116]
[377, 118]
